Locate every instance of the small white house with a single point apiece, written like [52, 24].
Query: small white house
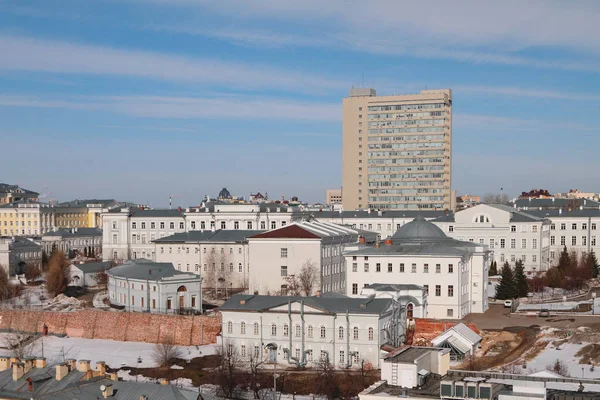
[87, 274]
[460, 339]
[411, 367]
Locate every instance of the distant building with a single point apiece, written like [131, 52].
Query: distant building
[467, 201]
[461, 340]
[87, 274]
[304, 331]
[146, 286]
[74, 240]
[577, 194]
[17, 253]
[333, 196]
[12, 193]
[536, 194]
[258, 198]
[22, 218]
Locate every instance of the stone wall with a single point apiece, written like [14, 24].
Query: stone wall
[123, 326]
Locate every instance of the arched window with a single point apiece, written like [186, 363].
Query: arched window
[286, 330]
[181, 289]
[243, 328]
[355, 334]
[341, 332]
[482, 219]
[322, 332]
[298, 331]
[256, 328]
[409, 310]
[310, 331]
[371, 334]
[273, 330]
[229, 327]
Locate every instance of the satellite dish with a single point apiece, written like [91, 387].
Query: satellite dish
[102, 388]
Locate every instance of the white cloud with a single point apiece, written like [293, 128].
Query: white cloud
[28, 54]
[246, 107]
[524, 92]
[507, 125]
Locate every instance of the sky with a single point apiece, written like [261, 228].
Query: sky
[140, 100]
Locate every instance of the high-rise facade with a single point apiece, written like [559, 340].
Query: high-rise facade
[397, 150]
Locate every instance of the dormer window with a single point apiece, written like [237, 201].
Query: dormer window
[482, 219]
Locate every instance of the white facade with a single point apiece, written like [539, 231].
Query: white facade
[307, 331]
[414, 298]
[263, 216]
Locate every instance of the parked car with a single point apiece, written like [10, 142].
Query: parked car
[544, 312]
[507, 303]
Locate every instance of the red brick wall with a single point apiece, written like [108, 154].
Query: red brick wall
[124, 326]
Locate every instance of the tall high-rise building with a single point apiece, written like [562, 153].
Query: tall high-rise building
[397, 150]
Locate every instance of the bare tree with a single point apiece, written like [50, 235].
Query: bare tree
[4, 285]
[228, 378]
[308, 278]
[328, 382]
[254, 363]
[166, 353]
[559, 367]
[293, 285]
[32, 272]
[17, 344]
[101, 279]
[57, 276]
[495, 198]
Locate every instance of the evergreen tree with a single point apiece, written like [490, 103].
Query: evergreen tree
[521, 283]
[507, 288]
[493, 269]
[564, 261]
[590, 261]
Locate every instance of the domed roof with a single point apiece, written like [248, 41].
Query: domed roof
[419, 230]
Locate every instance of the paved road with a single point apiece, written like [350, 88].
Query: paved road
[498, 317]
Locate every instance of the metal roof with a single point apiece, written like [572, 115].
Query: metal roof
[393, 287]
[146, 269]
[220, 235]
[466, 332]
[94, 267]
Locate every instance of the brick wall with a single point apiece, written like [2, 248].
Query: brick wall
[123, 326]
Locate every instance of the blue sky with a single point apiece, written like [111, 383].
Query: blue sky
[141, 99]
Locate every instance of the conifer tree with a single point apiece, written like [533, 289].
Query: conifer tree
[591, 262]
[520, 279]
[507, 288]
[564, 261]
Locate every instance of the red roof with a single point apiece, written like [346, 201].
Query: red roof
[288, 232]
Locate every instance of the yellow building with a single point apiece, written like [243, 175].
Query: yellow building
[20, 218]
[78, 213]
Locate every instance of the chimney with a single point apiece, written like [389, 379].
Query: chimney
[107, 392]
[40, 362]
[29, 363]
[61, 371]
[4, 363]
[361, 240]
[72, 364]
[84, 366]
[377, 244]
[14, 360]
[29, 384]
[143, 397]
[388, 241]
[164, 381]
[101, 367]
[114, 377]
[18, 370]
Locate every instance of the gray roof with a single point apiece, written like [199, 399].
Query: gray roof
[83, 203]
[145, 269]
[427, 214]
[22, 201]
[220, 235]
[467, 333]
[393, 287]
[414, 249]
[158, 213]
[410, 354]
[577, 213]
[331, 305]
[94, 267]
[420, 230]
[557, 202]
[7, 188]
[263, 207]
[75, 232]
[24, 244]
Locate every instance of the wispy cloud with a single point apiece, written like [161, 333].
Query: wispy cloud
[508, 125]
[246, 107]
[29, 54]
[524, 92]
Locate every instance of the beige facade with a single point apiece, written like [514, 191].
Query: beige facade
[397, 150]
[333, 196]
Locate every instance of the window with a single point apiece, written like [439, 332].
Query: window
[256, 352]
[502, 243]
[534, 243]
[263, 225]
[426, 287]
[593, 240]
[297, 330]
[513, 228]
[371, 335]
[584, 240]
[593, 226]
[236, 225]
[402, 267]
[450, 312]
[114, 224]
[492, 243]
[355, 333]
[355, 288]
[134, 225]
[512, 258]
[563, 227]
[223, 225]
[584, 226]
[284, 290]
[390, 267]
[438, 268]
[273, 330]
[273, 224]
[193, 224]
[324, 355]
[229, 327]
[451, 228]
[240, 268]
[243, 328]
[286, 330]
[366, 267]
[552, 255]
[153, 303]
[115, 238]
[341, 332]
[322, 332]
[523, 243]
[354, 267]
[450, 268]
[162, 225]
[502, 257]
[438, 290]
[181, 225]
[534, 258]
[534, 228]
[256, 329]
[171, 225]
[378, 267]
[552, 240]
[202, 225]
[413, 268]
[552, 227]
[563, 240]
[284, 270]
[513, 243]
[309, 331]
[249, 225]
[574, 226]
[243, 350]
[573, 240]
[341, 356]
[450, 291]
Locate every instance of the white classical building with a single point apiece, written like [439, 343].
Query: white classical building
[74, 239]
[213, 254]
[304, 331]
[411, 297]
[218, 215]
[279, 254]
[147, 286]
[16, 253]
[453, 273]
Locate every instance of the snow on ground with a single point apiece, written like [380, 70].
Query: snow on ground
[562, 306]
[116, 354]
[567, 355]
